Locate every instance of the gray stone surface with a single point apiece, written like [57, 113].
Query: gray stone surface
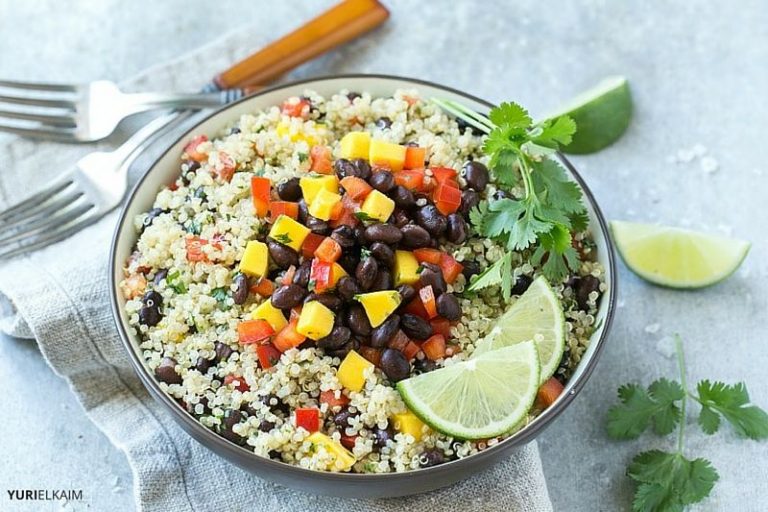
[698, 76]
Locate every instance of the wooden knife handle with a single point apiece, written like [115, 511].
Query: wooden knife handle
[338, 25]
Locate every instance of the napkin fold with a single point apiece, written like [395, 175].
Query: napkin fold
[59, 297]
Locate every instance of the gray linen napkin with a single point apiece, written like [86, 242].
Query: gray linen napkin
[59, 297]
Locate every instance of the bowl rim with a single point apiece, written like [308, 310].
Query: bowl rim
[521, 437]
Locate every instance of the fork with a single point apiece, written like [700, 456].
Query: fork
[87, 112]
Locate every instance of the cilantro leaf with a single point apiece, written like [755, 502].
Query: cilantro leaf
[551, 182]
[555, 133]
[732, 402]
[639, 408]
[477, 216]
[494, 275]
[512, 115]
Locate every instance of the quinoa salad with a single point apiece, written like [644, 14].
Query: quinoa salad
[314, 254]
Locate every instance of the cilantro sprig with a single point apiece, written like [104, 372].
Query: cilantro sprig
[668, 481]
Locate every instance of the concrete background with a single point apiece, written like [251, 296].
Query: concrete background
[694, 156]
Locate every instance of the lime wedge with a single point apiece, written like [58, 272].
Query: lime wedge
[602, 115]
[678, 258]
[479, 398]
[537, 315]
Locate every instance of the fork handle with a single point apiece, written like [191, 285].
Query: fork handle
[140, 102]
[339, 24]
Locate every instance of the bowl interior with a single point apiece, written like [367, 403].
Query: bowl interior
[166, 169]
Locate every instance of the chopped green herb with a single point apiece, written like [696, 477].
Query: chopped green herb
[173, 281]
[365, 253]
[311, 285]
[303, 157]
[365, 217]
[283, 238]
[221, 295]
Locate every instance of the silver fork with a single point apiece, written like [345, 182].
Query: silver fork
[87, 112]
[79, 197]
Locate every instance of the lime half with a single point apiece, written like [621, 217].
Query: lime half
[482, 397]
[602, 115]
[537, 315]
[677, 258]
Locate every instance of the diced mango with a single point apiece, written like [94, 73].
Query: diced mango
[288, 232]
[377, 206]
[351, 371]
[343, 459]
[379, 305]
[337, 272]
[311, 185]
[406, 268]
[355, 145]
[409, 423]
[255, 259]
[284, 129]
[323, 203]
[387, 154]
[315, 320]
[275, 317]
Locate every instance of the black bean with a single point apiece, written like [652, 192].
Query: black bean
[289, 296]
[282, 255]
[301, 276]
[338, 336]
[345, 349]
[365, 273]
[359, 232]
[431, 457]
[383, 181]
[415, 237]
[385, 233]
[469, 269]
[363, 168]
[502, 194]
[329, 300]
[349, 261]
[394, 365]
[383, 253]
[464, 126]
[317, 226]
[383, 281]
[266, 426]
[166, 371]
[457, 229]
[521, 284]
[430, 218]
[476, 175]
[424, 365]
[303, 211]
[381, 335]
[200, 193]
[231, 418]
[202, 365]
[352, 96]
[403, 197]
[275, 404]
[448, 306]
[347, 288]
[344, 235]
[407, 293]
[150, 316]
[241, 288]
[234, 130]
[431, 275]
[415, 327]
[160, 276]
[381, 436]
[344, 168]
[469, 199]
[191, 165]
[357, 320]
[152, 299]
[584, 287]
[223, 351]
[383, 123]
[341, 418]
[150, 217]
[400, 217]
[289, 190]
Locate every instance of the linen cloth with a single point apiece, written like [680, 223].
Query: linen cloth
[59, 297]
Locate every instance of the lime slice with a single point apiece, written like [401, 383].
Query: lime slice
[482, 397]
[677, 258]
[537, 315]
[602, 115]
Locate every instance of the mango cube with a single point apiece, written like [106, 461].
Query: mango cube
[377, 206]
[409, 423]
[355, 145]
[315, 320]
[273, 316]
[337, 272]
[300, 135]
[255, 259]
[406, 268]
[379, 305]
[288, 232]
[387, 154]
[342, 458]
[311, 185]
[323, 204]
[351, 371]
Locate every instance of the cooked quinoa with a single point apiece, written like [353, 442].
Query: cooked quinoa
[186, 296]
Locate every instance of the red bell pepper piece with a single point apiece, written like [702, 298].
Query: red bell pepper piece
[194, 247]
[441, 326]
[356, 188]
[310, 245]
[278, 208]
[428, 255]
[328, 251]
[548, 393]
[447, 197]
[410, 350]
[226, 166]
[347, 216]
[442, 174]
[414, 157]
[329, 397]
[399, 341]
[320, 160]
[295, 107]
[240, 383]
[260, 192]
[371, 354]
[268, 355]
[416, 307]
[412, 179]
[427, 296]
[450, 267]
[287, 277]
[191, 149]
[252, 331]
[320, 275]
[308, 418]
[288, 337]
[263, 287]
[348, 442]
[434, 347]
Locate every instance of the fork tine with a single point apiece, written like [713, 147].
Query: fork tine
[38, 86]
[89, 217]
[38, 102]
[57, 186]
[54, 221]
[59, 134]
[43, 210]
[43, 118]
